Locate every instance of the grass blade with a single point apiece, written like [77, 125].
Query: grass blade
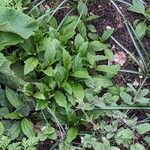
[64, 19]
[137, 48]
[57, 121]
[59, 6]
[35, 6]
[49, 12]
[131, 71]
[124, 108]
[142, 46]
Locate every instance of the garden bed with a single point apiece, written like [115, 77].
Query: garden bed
[75, 75]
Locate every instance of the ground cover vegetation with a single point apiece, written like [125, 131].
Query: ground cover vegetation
[58, 75]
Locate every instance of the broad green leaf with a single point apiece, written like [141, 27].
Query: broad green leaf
[97, 46]
[40, 104]
[109, 54]
[143, 128]
[66, 57]
[127, 98]
[78, 92]
[71, 99]
[39, 95]
[109, 69]
[83, 49]
[93, 36]
[16, 22]
[71, 134]
[4, 111]
[47, 133]
[24, 110]
[2, 129]
[107, 34]
[60, 99]
[67, 87]
[42, 87]
[29, 45]
[67, 36]
[144, 92]
[2, 59]
[125, 134]
[92, 28]
[27, 128]
[13, 98]
[7, 39]
[77, 63]
[141, 29]
[137, 146]
[82, 29]
[81, 74]
[100, 58]
[14, 131]
[66, 146]
[12, 116]
[30, 64]
[82, 9]
[5, 67]
[147, 139]
[96, 83]
[60, 74]
[48, 71]
[78, 41]
[50, 46]
[137, 6]
[92, 17]
[91, 58]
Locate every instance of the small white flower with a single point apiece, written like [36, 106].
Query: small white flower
[108, 27]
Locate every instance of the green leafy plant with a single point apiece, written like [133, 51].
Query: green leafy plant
[57, 83]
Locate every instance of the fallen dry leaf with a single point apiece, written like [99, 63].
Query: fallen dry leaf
[120, 58]
[135, 83]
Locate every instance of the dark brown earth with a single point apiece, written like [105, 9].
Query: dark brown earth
[109, 16]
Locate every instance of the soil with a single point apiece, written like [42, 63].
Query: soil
[110, 17]
[46, 145]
